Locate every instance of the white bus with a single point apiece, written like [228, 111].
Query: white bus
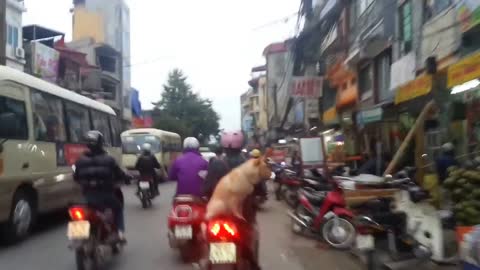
[41, 133]
[166, 146]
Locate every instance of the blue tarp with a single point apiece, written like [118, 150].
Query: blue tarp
[136, 104]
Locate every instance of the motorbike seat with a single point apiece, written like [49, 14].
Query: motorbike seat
[316, 198]
[188, 199]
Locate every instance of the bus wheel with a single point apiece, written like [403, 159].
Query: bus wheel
[22, 217]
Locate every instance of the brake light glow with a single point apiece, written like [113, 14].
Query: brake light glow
[223, 229]
[77, 213]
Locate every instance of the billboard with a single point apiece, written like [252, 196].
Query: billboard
[45, 62]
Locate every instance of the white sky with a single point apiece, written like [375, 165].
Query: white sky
[215, 42]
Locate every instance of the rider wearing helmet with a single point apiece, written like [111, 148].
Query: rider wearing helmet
[232, 143]
[99, 175]
[146, 165]
[186, 169]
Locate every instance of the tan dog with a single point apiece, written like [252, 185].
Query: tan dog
[234, 187]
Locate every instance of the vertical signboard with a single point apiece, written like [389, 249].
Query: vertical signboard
[45, 61]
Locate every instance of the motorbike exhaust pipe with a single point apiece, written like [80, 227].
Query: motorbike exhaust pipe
[297, 219]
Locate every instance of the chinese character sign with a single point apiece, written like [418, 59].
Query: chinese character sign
[45, 61]
[309, 87]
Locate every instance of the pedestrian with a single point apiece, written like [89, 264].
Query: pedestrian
[445, 160]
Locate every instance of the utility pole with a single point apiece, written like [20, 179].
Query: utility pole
[3, 32]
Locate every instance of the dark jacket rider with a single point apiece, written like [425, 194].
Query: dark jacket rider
[146, 165]
[99, 175]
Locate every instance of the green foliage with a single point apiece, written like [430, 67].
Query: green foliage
[182, 111]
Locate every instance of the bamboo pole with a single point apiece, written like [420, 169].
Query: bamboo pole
[401, 150]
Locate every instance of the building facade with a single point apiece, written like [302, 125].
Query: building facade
[15, 53]
[108, 23]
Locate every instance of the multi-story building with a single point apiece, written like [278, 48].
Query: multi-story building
[108, 23]
[15, 54]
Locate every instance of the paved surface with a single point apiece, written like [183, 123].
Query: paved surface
[148, 249]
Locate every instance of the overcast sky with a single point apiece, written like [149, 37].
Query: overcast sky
[215, 42]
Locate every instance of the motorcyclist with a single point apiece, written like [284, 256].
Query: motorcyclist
[187, 169]
[99, 175]
[232, 143]
[255, 153]
[146, 165]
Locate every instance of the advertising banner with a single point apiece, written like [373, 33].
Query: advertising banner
[45, 62]
[307, 87]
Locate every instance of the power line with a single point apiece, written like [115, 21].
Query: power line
[282, 20]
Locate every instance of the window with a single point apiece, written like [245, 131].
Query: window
[13, 119]
[100, 123]
[12, 36]
[116, 130]
[78, 122]
[363, 5]
[365, 82]
[382, 66]
[48, 124]
[434, 7]
[406, 28]
[133, 144]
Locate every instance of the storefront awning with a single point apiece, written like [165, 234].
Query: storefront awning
[463, 71]
[421, 86]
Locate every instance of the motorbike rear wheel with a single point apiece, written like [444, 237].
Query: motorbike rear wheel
[85, 261]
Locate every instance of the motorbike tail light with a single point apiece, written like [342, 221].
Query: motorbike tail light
[77, 213]
[183, 211]
[222, 229]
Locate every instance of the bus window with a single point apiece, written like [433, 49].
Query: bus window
[13, 119]
[78, 122]
[47, 118]
[133, 144]
[100, 123]
[115, 125]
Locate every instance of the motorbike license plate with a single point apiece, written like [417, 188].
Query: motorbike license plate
[78, 230]
[144, 185]
[223, 253]
[365, 242]
[183, 232]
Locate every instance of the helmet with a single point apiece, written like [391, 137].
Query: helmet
[232, 140]
[255, 153]
[191, 143]
[94, 140]
[146, 147]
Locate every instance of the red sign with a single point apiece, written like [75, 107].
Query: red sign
[73, 152]
[309, 87]
[279, 155]
[145, 122]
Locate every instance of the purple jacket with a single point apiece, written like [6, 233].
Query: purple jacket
[185, 171]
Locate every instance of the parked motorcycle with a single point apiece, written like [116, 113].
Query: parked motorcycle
[229, 240]
[93, 236]
[184, 225]
[145, 191]
[324, 213]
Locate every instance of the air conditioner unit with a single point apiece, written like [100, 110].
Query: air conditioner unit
[19, 53]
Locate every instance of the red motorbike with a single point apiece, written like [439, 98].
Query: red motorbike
[184, 226]
[324, 213]
[228, 241]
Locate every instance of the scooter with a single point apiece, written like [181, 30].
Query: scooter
[324, 213]
[228, 241]
[184, 225]
[145, 191]
[93, 236]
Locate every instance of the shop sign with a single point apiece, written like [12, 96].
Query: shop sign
[311, 108]
[468, 14]
[330, 115]
[307, 87]
[369, 116]
[463, 71]
[416, 88]
[45, 61]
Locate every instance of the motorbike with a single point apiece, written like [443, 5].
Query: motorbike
[228, 241]
[184, 225]
[324, 213]
[145, 191]
[92, 235]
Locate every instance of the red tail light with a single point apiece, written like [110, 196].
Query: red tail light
[222, 229]
[77, 213]
[183, 211]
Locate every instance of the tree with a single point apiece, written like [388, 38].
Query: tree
[182, 111]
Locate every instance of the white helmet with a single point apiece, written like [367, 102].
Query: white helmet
[191, 143]
[146, 147]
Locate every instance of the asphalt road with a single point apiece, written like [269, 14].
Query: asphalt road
[148, 248]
